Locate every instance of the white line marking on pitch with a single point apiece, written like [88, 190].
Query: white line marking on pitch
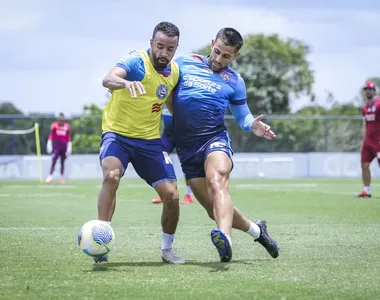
[16, 186]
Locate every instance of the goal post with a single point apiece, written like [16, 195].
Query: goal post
[36, 131]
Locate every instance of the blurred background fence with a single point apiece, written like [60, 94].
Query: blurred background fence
[296, 133]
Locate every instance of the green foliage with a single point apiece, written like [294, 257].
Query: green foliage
[86, 131]
[273, 70]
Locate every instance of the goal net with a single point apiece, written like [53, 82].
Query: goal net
[23, 142]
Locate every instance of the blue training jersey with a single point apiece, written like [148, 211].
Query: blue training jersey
[201, 98]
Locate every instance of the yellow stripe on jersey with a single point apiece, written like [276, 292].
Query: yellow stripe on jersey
[140, 117]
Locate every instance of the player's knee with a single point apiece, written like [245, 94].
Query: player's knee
[171, 198]
[365, 166]
[112, 177]
[216, 181]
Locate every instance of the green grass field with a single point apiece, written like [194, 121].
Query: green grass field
[330, 244]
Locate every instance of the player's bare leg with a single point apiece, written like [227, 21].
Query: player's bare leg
[217, 168]
[199, 188]
[168, 192]
[366, 177]
[188, 199]
[257, 230]
[112, 170]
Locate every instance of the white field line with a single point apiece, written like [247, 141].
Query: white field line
[119, 229]
[20, 186]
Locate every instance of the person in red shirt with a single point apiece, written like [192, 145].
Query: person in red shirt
[371, 135]
[59, 144]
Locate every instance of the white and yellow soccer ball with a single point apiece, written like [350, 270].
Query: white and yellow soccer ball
[96, 238]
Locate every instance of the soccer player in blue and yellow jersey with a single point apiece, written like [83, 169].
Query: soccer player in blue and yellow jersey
[140, 85]
[206, 87]
[167, 138]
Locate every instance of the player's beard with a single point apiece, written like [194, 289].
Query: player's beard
[370, 96]
[160, 62]
[214, 65]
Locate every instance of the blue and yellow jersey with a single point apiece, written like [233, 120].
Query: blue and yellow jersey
[140, 117]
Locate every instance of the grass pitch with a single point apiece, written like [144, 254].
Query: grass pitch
[330, 244]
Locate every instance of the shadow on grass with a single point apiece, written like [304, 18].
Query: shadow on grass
[214, 266]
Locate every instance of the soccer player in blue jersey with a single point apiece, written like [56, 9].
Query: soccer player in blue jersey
[206, 87]
[167, 138]
[140, 85]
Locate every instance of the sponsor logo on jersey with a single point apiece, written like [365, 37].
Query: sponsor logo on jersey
[156, 107]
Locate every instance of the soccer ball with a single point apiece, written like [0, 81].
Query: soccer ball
[96, 238]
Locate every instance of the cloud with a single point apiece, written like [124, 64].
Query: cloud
[58, 51]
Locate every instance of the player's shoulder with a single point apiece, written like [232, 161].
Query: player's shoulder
[189, 58]
[54, 125]
[133, 56]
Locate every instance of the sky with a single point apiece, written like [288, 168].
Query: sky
[55, 53]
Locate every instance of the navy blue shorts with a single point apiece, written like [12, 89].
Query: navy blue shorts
[193, 158]
[168, 140]
[168, 134]
[148, 157]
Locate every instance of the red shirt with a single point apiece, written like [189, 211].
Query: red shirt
[60, 133]
[371, 114]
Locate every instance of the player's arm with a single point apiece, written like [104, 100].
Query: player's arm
[114, 80]
[243, 115]
[364, 129]
[117, 77]
[69, 142]
[49, 145]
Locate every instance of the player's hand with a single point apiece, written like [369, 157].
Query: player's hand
[69, 149]
[49, 147]
[261, 129]
[135, 87]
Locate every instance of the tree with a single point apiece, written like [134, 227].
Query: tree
[274, 70]
[87, 130]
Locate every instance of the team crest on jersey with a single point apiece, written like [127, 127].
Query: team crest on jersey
[162, 91]
[225, 76]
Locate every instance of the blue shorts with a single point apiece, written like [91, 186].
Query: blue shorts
[168, 140]
[193, 158]
[148, 157]
[168, 134]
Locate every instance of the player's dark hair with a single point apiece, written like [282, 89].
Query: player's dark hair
[230, 37]
[61, 115]
[166, 28]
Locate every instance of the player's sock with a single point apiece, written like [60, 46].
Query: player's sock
[229, 239]
[188, 190]
[62, 166]
[167, 241]
[254, 230]
[367, 189]
[52, 167]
